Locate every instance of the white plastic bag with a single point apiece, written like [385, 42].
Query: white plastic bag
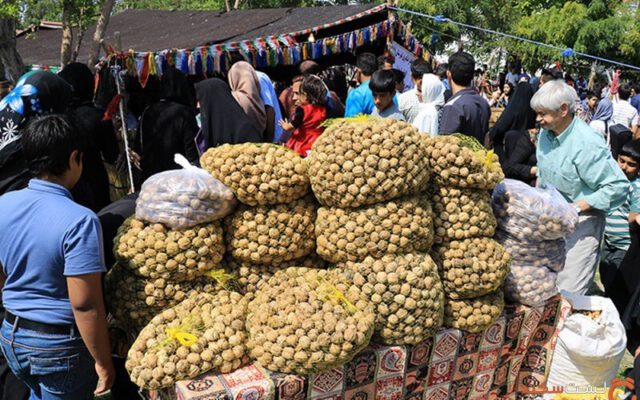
[531, 286]
[524, 253]
[588, 351]
[184, 198]
[530, 213]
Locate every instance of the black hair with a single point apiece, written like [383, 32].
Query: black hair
[591, 94]
[336, 81]
[419, 67]
[47, 144]
[441, 70]
[384, 59]
[315, 90]
[624, 91]
[383, 81]
[462, 65]
[366, 63]
[398, 75]
[632, 150]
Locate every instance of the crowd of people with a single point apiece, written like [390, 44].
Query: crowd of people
[55, 140]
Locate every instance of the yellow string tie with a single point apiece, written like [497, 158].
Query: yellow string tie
[220, 276]
[328, 292]
[183, 337]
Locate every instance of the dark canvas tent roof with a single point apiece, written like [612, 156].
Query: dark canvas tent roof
[153, 30]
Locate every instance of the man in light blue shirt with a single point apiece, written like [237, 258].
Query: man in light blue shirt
[360, 99]
[575, 159]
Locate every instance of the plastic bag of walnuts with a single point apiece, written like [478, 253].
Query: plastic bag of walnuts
[461, 213]
[272, 234]
[397, 226]
[360, 161]
[461, 161]
[155, 251]
[306, 321]
[548, 253]
[472, 267]
[530, 213]
[531, 286]
[258, 173]
[473, 315]
[134, 301]
[183, 198]
[203, 332]
[406, 293]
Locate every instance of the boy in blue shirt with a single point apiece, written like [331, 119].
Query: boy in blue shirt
[383, 86]
[617, 236]
[54, 335]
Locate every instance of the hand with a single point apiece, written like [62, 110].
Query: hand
[286, 125]
[582, 205]
[637, 219]
[534, 171]
[106, 378]
[135, 158]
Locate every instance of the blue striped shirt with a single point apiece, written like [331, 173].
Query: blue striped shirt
[616, 233]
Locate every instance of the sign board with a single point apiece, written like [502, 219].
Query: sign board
[403, 61]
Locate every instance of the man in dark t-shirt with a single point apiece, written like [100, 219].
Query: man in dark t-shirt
[466, 112]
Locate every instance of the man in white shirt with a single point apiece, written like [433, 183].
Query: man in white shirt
[409, 101]
[623, 112]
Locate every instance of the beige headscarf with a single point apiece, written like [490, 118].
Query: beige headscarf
[245, 88]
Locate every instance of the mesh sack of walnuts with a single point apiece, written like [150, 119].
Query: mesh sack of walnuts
[304, 321]
[531, 286]
[258, 174]
[530, 213]
[461, 213]
[471, 267]
[203, 332]
[272, 234]
[548, 253]
[406, 293]
[134, 301]
[359, 161]
[183, 198]
[398, 226]
[155, 251]
[473, 315]
[461, 161]
[252, 276]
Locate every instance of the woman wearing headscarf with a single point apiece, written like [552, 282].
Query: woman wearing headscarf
[36, 93]
[169, 126]
[602, 117]
[518, 116]
[428, 118]
[92, 190]
[245, 88]
[272, 107]
[223, 119]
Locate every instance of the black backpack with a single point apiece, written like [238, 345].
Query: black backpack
[619, 135]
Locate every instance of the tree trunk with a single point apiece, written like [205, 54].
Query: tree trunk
[76, 50]
[9, 57]
[101, 27]
[67, 33]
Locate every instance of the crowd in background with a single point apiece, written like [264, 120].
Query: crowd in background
[552, 131]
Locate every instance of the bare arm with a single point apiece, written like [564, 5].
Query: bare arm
[85, 294]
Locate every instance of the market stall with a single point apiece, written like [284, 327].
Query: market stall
[369, 269]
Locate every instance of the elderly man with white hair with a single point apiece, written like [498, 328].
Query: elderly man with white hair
[574, 158]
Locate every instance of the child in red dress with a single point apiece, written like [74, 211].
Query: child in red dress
[310, 97]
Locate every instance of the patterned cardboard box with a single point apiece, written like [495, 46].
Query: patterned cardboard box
[512, 354]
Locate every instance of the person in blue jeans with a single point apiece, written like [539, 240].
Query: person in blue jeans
[54, 334]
